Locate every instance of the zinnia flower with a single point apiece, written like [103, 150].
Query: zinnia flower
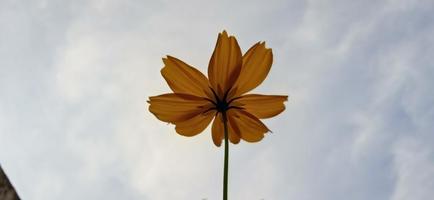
[196, 100]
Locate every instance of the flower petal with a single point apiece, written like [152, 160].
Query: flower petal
[183, 78]
[194, 125]
[257, 63]
[250, 128]
[218, 131]
[262, 106]
[234, 137]
[177, 107]
[225, 64]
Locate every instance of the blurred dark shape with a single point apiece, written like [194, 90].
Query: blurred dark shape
[7, 191]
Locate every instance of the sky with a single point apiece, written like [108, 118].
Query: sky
[75, 77]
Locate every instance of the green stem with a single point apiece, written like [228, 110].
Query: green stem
[225, 173]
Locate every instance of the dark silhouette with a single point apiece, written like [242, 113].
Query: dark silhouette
[7, 191]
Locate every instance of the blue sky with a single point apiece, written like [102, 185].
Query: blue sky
[74, 77]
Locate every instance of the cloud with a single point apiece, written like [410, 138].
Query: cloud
[75, 76]
[414, 166]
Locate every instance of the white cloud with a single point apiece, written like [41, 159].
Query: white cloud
[75, 77]
[415, 169]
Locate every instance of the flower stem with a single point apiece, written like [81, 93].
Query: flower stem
[226, 162]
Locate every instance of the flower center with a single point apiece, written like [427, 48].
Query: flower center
[221, 105]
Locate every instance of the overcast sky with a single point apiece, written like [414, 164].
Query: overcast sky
[75, 75]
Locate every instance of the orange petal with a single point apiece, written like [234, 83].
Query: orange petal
[234, 137]
[194, 125]
[250, 128]
[256, 65]
[177, 107]
[183, 78]
[217, 130]
[262, 106]
[225, 64]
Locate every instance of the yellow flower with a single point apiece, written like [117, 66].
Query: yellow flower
[196, 100]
